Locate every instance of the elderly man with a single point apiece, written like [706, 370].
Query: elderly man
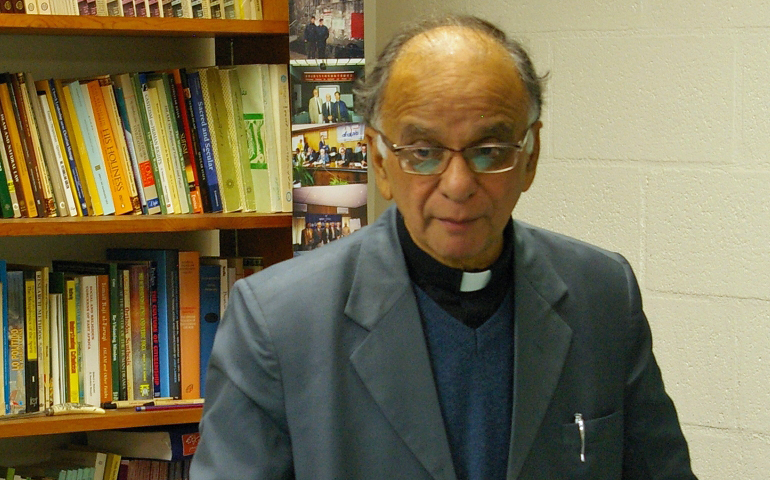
[446, 341]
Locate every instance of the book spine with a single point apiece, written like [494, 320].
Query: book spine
[121, 145]
[189, 323]
[128, 350]
[17, 397]
[191, 132]
[6, 202]
[209, 316]
[183, 136]
[58, 155]
[115, 165]
[159, 168]
[73, 366]
[89, 339]
[43, 337]
[156, 342]
[279, 79]
[243, 158]
[67, 143]
[30, 325]
[28, 153]
[105, 339]
[171, 133]
[89, 129]
[271, 142]
[231, 96]
[150, 173]
[204, 137]
[73, 146]
[226, 169]
[17, 159]
[34, 145]
[12, 180]
[141, 332]
[120, 336]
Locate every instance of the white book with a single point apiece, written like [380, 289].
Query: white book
[58, 353]
[89, 338]
[270, 141]
[279, 90]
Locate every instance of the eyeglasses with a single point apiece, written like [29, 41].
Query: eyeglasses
[434, 160]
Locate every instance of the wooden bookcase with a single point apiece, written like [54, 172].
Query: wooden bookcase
[245, 234]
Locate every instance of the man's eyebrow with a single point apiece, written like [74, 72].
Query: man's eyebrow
[504, 131]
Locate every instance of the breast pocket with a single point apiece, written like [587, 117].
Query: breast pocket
[597, 453]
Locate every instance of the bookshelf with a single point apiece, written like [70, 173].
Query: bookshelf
[246, 234]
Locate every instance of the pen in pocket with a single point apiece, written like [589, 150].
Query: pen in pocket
[582, 430]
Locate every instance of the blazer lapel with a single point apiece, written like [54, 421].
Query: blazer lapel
[393, 360]
[541, 343]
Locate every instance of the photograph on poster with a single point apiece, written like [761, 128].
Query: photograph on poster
[325, 29]
[323, 214]
[324, 95]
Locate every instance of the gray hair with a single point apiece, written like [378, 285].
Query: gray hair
[369, 93]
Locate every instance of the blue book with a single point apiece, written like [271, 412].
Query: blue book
[167, 282]
[76, 180]
[204, 139]
[209, 316]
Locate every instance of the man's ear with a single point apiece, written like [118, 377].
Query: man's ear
[377, 160]
[530, 159]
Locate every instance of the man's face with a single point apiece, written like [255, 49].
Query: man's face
[337, 96]
[328, 98]
[454, 88]
[315, 92]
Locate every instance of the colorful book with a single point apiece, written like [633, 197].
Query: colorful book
[6, 188]
[72, 335]
[204, 138]
[135, 137]
[17, 386]
[30, 336]
[185, 141]
[13, 177]
[167, 268]
[236, 135]
[141, 333]
[4, 346]
[89, 339]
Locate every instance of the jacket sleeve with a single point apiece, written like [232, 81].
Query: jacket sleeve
[655, 448]
[244, 434]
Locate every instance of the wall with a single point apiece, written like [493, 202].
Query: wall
[655, 144]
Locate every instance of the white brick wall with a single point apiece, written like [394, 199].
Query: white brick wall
[656, 144]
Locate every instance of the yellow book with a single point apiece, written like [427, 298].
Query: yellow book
[73, 370]
[114, 162]
[17, 150]
[120, 140]
[79, 151]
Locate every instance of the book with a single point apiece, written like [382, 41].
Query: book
[25, 84]
[68, 205]
[15, 153]
[167, 278]
[210, 285]
[83, 109]
[216, 112]
[126, 335]
[161, 158]
[113, 114]
[73, 144]
[181, 116]
[57, 295]
[171, 443]
[17, 387]
[141, 333]
[27, 135]
[279, 91]
[29, 307]
[4, 346]
[135, 136]
[10, 209]
[189, 323]
[259, 137]
[89, 339]
[204, 139]
[224, 283]
[115, 163]
[236, 135]
[72, 336]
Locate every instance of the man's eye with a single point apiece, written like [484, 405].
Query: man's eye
[426, 153]
[490, 151]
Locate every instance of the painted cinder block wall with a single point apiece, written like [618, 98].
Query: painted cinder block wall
[656, 144]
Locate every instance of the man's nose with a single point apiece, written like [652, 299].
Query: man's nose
[458, 182]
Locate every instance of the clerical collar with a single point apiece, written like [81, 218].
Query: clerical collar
[471, 297]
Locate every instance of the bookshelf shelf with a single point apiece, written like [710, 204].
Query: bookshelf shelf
[141, 224]
[138, 26]
[112, 419]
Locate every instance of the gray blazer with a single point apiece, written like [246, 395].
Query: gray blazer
[320, 371]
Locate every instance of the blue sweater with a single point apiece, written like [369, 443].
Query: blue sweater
[473, 370]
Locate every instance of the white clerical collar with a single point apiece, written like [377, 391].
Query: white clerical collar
[473, 281]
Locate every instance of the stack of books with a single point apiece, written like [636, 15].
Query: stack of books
[138, 326]
[229, 9]
[214, 139]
